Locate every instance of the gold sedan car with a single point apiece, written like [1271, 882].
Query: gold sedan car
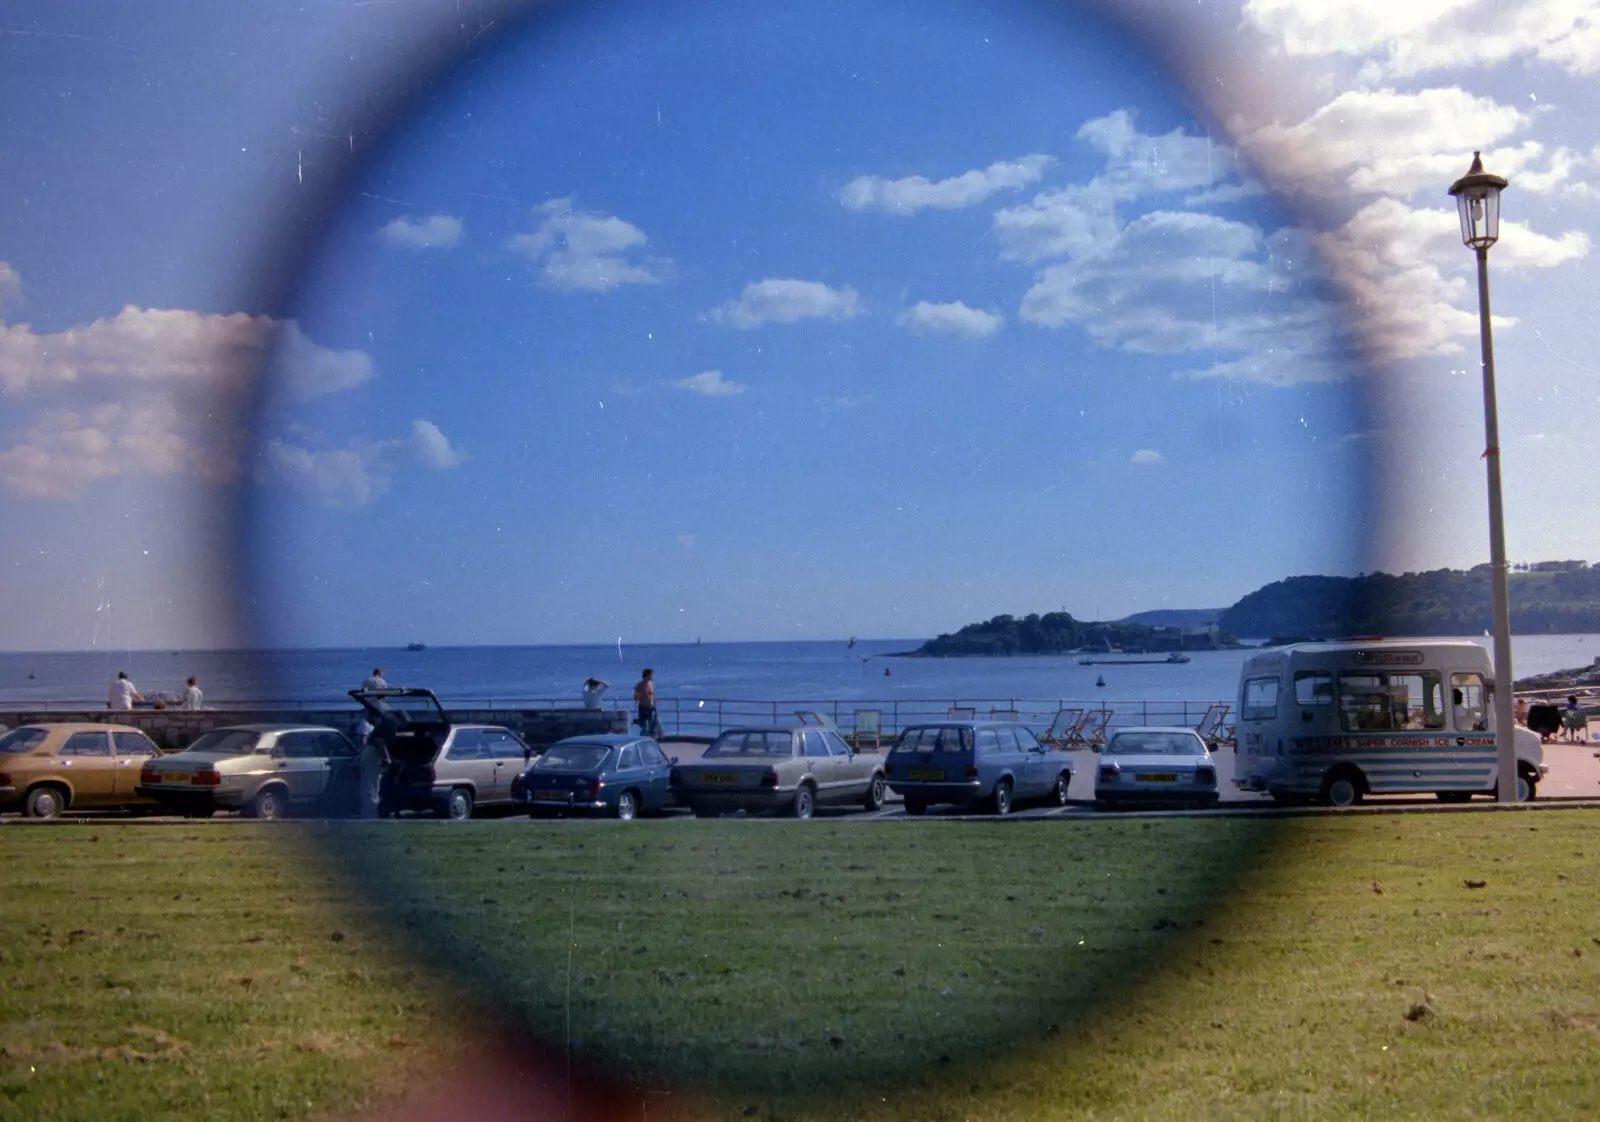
[46, 769]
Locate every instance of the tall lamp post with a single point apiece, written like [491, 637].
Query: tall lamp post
[1477, 196]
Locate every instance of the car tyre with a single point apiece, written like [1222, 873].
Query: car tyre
[805, 802]
[1343, 787]
[45, 803]
[1058, 796]
[268, 805]
[1000, 801]
[875, 794]
[627, 807]
[916, 807]
[457, 805]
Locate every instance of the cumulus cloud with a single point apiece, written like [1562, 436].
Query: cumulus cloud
[432, 448]
[950, 319]
[437, 231]
[710, 384]
[347, 477]
[1400, 40]
[913, 193]
[1146, 457]
[584, 251]
[785, 301]
[62, 451]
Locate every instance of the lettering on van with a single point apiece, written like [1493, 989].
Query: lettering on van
[1332, 743]
[1387, 658]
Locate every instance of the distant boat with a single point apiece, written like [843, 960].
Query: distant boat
[1173, 659]
[416, 646]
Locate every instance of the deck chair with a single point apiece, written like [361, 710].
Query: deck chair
[960, 713]
[1004, 715]
[1207, 728]
[1093, 732]
[868, 728]
[1068, 724]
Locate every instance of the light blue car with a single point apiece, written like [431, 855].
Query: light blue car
[990, 765]
[1155, 765]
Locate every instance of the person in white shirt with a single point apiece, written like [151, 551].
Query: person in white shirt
[375, 680]
[192, 697]
[122, 694]
[592, 689]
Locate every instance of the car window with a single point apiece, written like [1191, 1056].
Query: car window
[835, 743]
[86, 744]
[334, 746]
[573, 757]
[630, 757]
[930, 738]
[653, 754]
[1026, 740]
[502, 745]
[816, 747]
[1008, 740]
[297, 745]
[133, 743]
[25, 739]
[467, 744]
[750, 743]
[989, 742]
[226, 742]
[1155, 744]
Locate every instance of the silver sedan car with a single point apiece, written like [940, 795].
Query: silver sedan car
[1155, 765]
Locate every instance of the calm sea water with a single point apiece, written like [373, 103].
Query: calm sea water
[813, 671]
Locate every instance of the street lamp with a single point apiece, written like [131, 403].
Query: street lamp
[1477, 196]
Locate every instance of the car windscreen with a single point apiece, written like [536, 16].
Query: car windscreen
[25, 739]
[750, 743]
[935, 738]
[1154, 744]
[226, 742]
[573, 757]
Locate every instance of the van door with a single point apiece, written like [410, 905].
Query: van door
[1469, 720]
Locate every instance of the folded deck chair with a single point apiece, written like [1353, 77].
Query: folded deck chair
[1092, 734]
[1222, 735]
[1068, 723]
[960, 713]
[1004, 715]
[868, 729]
[1207, 728]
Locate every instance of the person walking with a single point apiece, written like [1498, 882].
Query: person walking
[644, 695]
[374, 765]
[192, 697]
[122, 694]
[592, 689]
[375, 680]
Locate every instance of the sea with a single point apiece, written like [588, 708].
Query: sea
[841, 671]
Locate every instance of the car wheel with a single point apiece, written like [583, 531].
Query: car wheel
[1058, 797]
[268, 804]
[1000, 801]
[875, 793]
[916, 807]
[1343, 787]
[45, 803]
[1453, 796]
[457, 804]
[627, 807]
[805, 801]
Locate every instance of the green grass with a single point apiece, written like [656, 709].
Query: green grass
[893, 970]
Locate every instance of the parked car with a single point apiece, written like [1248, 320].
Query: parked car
[263, 771]
[46, 769]
[791, 768]
[437, 766]
[622, 776]
[988, 764]
[1155, 765]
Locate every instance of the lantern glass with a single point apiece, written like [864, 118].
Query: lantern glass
[1479, 206]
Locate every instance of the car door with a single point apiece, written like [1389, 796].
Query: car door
[659, 770]
[86, 762]
[1041, 778]
[466, 759]
[630, 771]
[510, 757]
[131, 750]
[299, 765]
[822, 766]
[852, 774]
[340, 771]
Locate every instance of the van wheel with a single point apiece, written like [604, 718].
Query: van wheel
[627, 806]
[1058, 796]
[269, 804]
[1343, 787]
[805, 801]
[1527, 786]
[875, 793]
[1000, 801]
[457, 805]
[45, 803]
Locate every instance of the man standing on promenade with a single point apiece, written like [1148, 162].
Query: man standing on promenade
[122, 694]
[644, 694]
[374, 764]
[192, 697]
[375, 680]
[592, 689]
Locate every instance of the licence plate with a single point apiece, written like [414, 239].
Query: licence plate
[1157, 777]
[924, 773]
[552, 796]
[719, 778]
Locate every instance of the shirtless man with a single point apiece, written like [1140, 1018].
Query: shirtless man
[644, 695]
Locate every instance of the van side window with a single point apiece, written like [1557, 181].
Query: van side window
[1260, 699]
[1313, 687]
[1468, 704]
[1390, 702]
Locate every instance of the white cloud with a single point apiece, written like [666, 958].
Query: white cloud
[785, 301]
[914, 193]
[437, 231]
[583, 251]
[347, 477]
[63, 451]
[1404, 39]
[950, 319]
[710, 384]
[1147, 457]
[10, 284]
[432, 448]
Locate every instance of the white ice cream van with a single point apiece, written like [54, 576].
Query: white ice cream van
[1339, 721]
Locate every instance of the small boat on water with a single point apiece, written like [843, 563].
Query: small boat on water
[416, 646]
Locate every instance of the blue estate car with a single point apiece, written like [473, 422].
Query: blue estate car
[623, 776]
[1156, 765]
[991, 763]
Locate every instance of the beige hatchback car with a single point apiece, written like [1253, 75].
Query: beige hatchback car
[46, 769]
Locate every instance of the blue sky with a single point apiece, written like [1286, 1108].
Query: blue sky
[788, 324]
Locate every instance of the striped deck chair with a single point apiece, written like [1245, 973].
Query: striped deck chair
[1068, 724]
[1092, 734]
[1219, 735]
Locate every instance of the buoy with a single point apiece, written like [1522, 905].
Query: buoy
[886, 672]
[1100, 681]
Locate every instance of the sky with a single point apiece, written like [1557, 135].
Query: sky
[365, 324]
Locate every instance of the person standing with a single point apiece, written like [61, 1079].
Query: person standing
[122, 694]
[644, 695]
[592, 689]
[375, 680]
[374, 764]
[192, 697]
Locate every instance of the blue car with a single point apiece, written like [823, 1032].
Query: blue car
[988, 764]
[620, 776]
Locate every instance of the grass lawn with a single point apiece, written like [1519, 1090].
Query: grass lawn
[891, 970]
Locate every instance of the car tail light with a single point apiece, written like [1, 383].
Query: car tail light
[594, 787]
[149, 775]
[1108, 775]
[971, 772]
[516, 787]
[1205, 775]
[770, 779]
[675, 778]
[206, 779]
